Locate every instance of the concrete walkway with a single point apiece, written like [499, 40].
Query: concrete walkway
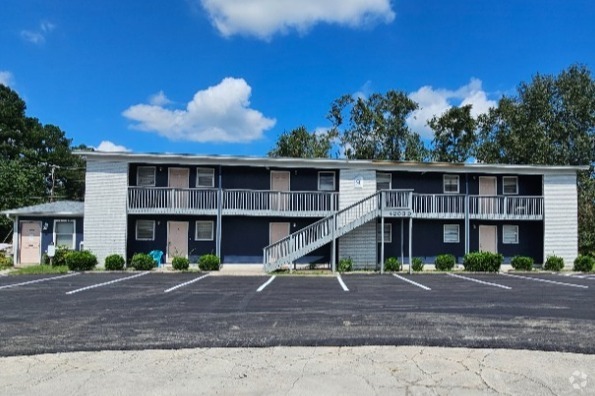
[301, 371]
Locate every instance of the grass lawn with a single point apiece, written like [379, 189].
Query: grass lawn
[40, 269]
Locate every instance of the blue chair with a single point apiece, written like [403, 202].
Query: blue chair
[156, 255]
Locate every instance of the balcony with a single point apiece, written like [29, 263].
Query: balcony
[201, 201]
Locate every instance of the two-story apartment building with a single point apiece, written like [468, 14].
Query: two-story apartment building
[280, 211]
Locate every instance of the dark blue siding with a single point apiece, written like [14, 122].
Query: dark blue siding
[252, 178]
[423, 182]
[47, 229]
[162, 173]
[530, 239]
[528, 184]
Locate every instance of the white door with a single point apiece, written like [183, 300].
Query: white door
[488, 239]
[277, 231]
[177, 239]
[280, 186]
[30, 242]
[178, 181]
[488, 188]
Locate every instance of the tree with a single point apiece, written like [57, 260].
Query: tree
[299, 143]
[376, 127]
[454, 134]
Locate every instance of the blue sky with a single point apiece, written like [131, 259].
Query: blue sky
[229, 76]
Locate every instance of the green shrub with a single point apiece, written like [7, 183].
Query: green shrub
[445, 262]
[482, 262]
[209, 262]
[345, 265]
[553, 263]
[5, 261]
[80, 260]
[584, 263]
[522, 263]
[417, 264]
[392, 264]
[114, 262]
[142, 262]
[59, 258]
[180, 263]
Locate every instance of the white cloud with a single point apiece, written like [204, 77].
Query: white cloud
[108, 146]
[434, 102]
[265, 18]
[159, 99]
[6, 78]
[38, 37]
[220, 113]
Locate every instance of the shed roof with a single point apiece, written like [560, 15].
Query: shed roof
[63, 208]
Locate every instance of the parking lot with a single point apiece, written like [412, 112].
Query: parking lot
[103, 310]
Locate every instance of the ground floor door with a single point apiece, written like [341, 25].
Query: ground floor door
[277, 231]
[177, 239]
[488, 239]
[30, 242]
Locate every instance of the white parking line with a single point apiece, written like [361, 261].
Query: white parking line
[342, 283]
[185, 283]
[106, 283]
[265, 284]
[36, 281]
[412, 282]
[480, 281]
[547, 281]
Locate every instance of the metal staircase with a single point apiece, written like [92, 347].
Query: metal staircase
[310, 238]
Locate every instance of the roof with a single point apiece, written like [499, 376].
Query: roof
[60, 208]
[323, 163]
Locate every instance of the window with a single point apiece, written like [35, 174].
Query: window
[510, 234]
[145, 176]
[204, 231]
[451, 233]
[388, 233]
[145, 230]
[64, 232]
[205, 177]
[451, 184]
[383, 181]
[326, 181]
[510, 185]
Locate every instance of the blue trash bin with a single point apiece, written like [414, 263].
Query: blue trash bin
[156, 255]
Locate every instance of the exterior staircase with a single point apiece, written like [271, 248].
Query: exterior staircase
[285, 251]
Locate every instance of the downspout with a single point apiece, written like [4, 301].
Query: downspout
[15, 239]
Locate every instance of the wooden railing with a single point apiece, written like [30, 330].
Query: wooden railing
[505, 207]
[171, 200]
[280, 201]
[438, 205]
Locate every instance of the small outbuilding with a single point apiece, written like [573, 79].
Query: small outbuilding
[39, 226]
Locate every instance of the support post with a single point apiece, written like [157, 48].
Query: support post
[402, 242]
[219, 216]
[466, 223]
[334, 244]
[382, 243]
[15, 241]
[410, 243]
[291, 253]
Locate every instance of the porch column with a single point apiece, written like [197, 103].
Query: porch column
[402, 242]
[466, 223]
[15, 240]
[219, 216]
[382, 243]
[410, 242]
[334, 244]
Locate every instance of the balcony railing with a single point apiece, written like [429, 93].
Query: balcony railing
[235, 202]
[505, 207]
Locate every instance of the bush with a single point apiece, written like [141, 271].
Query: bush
[584, 263]
[522, 263]
[114, 262]
[482, 262]
[80, 260]
[445, 262]
[180, 263]
[345, 265]
[5, 261]
[142, 262]
[59, 258]
[553, 263]
[209, 262]
[417, 264]
[392, 264]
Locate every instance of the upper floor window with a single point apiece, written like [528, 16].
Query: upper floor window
[205, 177]
[383, 181]
[510, 185]
[145, 230]
[326, 181]
[451, 184]
[64, 233]
[145, 176]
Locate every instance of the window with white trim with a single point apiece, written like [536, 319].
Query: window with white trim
[451, 233]
[145, 230]
[145, 176]
[64, 233]
[388, 233]
[510, 185]
[205, 177]
[510, 234]
[204, 231]
[450, 184]
[326, 181]
[383, 181]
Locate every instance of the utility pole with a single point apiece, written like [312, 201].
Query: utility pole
[53, 176]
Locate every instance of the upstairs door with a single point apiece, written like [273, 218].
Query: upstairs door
[488, 188]
[280, 186]
[177, 239]
[178, 182]
[30, 242]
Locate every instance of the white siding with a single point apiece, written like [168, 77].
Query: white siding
[359, 244]
[560, 217]
[105, 208]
